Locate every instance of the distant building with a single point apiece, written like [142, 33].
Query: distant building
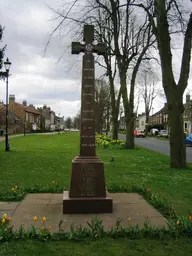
[59, 123]
[15, 124]
[140, 122]
[159, 120]
[122, 122]
[28, 113]
[48, 118]
[187, 115]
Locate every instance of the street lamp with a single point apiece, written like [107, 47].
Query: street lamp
[7, 65]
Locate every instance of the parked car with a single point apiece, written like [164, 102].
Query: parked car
[138, 133]
[188, 139]
[154, 131]
[164, 133]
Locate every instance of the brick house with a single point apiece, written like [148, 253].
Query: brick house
[29, 114]
[159, 120]
[15, 124]
[48, 118]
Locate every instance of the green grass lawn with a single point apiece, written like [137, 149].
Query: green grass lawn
[103, 247]
[41, 159]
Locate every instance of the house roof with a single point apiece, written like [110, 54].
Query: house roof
[10, 114]
[29, 109]
[162, 110]
[141, 115]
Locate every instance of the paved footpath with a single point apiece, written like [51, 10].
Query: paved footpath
[125, 205]
[2, 138]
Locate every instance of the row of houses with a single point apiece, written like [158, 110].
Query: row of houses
[28, 118]
[159, 119]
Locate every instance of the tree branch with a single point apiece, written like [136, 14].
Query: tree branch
[185, 66]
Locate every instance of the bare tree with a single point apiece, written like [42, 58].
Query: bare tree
[102, 104]
[128, 39]
[68, 122]
[104, 33]
[91, 14]
[131, 42]
[76, 121]
[149, 89]
[165, 18]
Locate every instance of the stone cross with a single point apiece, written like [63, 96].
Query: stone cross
[87, 128]
[87, 193]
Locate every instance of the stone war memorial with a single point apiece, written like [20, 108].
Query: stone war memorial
[87, 192]
[87, 197]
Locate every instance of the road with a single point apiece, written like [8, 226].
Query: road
[158, 145]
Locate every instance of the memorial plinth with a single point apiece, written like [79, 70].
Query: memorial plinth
[87, 192]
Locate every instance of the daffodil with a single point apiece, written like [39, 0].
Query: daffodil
[9, 219]
[35, 218]
[13, 189]
[44, 219]
[3, 221]
[4, 216]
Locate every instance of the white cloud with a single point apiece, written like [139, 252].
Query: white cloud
[34, 77]
[37, 78]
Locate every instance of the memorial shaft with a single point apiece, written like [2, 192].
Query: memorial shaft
[87, 130]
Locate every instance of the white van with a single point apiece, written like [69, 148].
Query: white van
[154, 131]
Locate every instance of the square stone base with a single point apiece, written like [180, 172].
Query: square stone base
[85, 205]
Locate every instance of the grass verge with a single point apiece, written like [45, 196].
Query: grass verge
[36, 161]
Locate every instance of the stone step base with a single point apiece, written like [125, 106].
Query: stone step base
[85, 205]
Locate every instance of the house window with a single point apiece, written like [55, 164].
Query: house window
[31, 119]
[185, 125]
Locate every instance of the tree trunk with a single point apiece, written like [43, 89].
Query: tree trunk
[107, 123]
[129, 143]
[177, 144]
[147, 123]
[115, 126]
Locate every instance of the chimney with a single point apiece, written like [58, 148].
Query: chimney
[24, 103]
[11, 98]
[44, 107]
[187, 98]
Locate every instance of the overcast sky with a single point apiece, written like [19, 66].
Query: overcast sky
[35, 77]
